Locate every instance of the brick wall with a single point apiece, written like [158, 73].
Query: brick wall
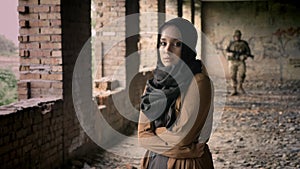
[148, 33]
[109, 42]
[271, 29]
[40, 49]
[187, 14]
[51, 40]
[121, 108]
[31, 134]
[171, 7]
[186, 10]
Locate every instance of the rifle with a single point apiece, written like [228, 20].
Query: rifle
[237, 54]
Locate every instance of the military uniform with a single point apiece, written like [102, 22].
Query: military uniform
[237, 52]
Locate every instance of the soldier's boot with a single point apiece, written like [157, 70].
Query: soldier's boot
[241, 89]
[234, 92]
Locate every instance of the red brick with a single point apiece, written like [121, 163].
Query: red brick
[50, 30]
[22, 91]
[39, 38]
[55, 22]
[27, 76]
[28, 2]
[57, 85]
[52, 76]
[121, 3]
[39, 23]
[30, 31]
[35, 93]
[52, 61]
[35, 68]
[24, 68]
[104, 85]
[23, 9]
[40, 53]
[22, 96]
[41, 8]
[24, 53]
[24, 23]
[27, 61]
[56, 53]
[32, 45]
[29, 16]
[23, 38]
[55, 8]
[49, 45]
[22, 84]
[57, 68]
[50, 2]
[40, 84]
[53, 92]
[56, 38]
[50, 16]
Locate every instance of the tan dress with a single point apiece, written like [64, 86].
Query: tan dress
[185, 142]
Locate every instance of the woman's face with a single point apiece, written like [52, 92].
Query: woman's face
[170, 45]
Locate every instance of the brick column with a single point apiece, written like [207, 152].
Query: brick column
[186, 10]
[171, 7]
[109, 43]
[50, 42]
[40, 49]
[76, 31]
[148, 33]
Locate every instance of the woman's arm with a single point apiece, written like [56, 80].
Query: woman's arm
[188, 126]
[148, 139]
[194, 111]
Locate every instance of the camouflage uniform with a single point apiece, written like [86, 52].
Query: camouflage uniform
[237, 53]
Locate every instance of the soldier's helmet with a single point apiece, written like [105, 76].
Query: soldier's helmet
[237, 33]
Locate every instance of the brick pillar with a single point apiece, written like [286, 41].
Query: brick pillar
[171, 7]
[40, 49]
[132, 39]
[76, 31]
[51, 40]
[109, 42]
[148, 33]
[186, 10]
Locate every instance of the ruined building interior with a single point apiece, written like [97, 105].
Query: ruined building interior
[82, 58]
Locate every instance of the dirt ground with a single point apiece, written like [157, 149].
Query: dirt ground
[260, 129]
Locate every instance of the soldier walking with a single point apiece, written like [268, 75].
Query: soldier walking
[237, 53]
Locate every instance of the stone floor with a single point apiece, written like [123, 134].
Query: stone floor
[260, 129]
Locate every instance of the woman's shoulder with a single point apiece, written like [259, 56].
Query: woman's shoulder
[201, 76]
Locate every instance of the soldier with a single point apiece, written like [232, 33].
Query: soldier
[237, 52]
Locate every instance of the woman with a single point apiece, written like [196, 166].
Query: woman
[176, 109]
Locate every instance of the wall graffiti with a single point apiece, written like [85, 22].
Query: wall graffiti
[283, 43]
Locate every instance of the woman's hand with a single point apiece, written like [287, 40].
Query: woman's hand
[160, 130]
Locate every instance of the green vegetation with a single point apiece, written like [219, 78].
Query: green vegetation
[8, 87]
[7, 47]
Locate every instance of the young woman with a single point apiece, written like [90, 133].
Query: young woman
[176, 109]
